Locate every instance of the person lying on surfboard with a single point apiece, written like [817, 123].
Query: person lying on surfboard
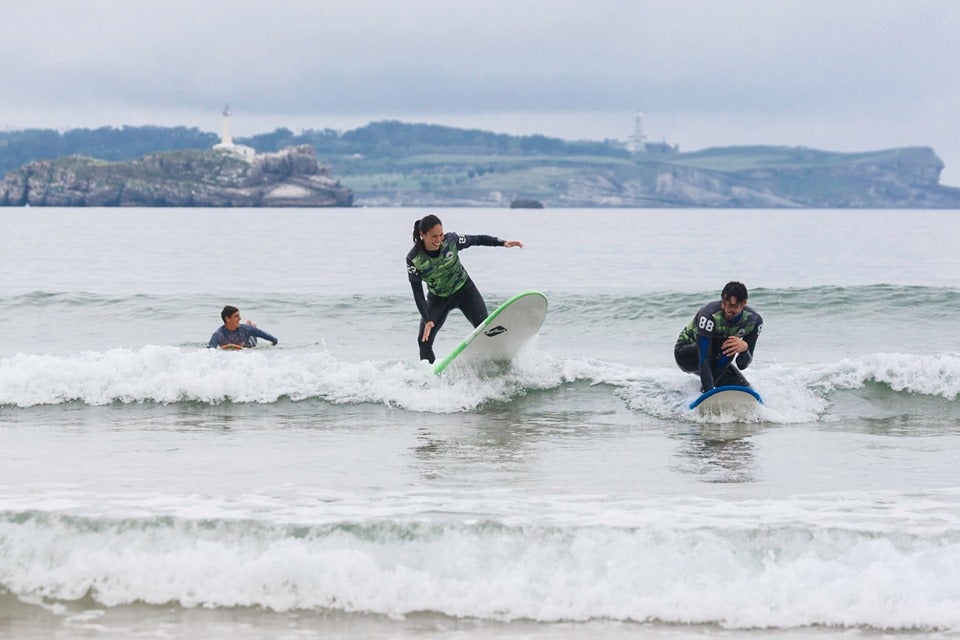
[233, 335]
[434, 259]
[723, 332]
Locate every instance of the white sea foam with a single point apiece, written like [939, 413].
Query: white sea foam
[171, 374]
[932, 375]
[666, 393]
[871, 559]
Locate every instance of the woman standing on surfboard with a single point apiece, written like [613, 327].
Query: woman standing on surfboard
[434, 259]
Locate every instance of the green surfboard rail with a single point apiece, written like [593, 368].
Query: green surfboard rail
[450, 357]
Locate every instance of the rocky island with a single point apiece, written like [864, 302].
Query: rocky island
[395, 164]
[291, 177]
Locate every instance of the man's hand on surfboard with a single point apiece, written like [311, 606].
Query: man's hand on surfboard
[734, 345]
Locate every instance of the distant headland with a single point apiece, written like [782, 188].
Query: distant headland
[392, 163]
[185, 178]
[226, 175]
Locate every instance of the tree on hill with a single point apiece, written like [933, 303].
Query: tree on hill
[392, 139]
[17, 148]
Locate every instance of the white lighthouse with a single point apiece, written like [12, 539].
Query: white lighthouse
[226, 140]
[637, 142]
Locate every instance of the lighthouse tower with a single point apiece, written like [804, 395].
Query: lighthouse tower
[637, 142]
[226, 140]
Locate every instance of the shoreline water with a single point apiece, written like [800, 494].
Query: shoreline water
[87, 619]
[333, 486]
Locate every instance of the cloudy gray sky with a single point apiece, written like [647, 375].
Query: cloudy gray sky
[846, 75]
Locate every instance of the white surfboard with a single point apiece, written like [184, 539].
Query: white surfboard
[504, 333]
[727, 398]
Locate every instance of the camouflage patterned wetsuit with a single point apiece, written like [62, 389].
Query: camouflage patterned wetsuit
[448, 284]
[698, 348]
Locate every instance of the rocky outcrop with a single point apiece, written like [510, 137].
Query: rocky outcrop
[768, 177]
[526, 203]
[761, 177]
[189, 178]
[747, 177]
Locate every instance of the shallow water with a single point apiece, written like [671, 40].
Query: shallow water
[334, 486]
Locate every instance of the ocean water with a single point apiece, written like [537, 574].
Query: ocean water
[333, 487]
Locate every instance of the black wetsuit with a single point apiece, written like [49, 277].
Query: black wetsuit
[448, 285]
[699, 346]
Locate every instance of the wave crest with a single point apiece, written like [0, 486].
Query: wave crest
[747, 566]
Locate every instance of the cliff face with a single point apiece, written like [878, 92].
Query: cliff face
[288, 178]
[784, 177]
[772, 177]
[748, 177]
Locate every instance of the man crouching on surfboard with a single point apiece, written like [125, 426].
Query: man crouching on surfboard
[721, 331]
[434, 259]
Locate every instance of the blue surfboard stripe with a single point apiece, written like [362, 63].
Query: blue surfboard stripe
[730, 387]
